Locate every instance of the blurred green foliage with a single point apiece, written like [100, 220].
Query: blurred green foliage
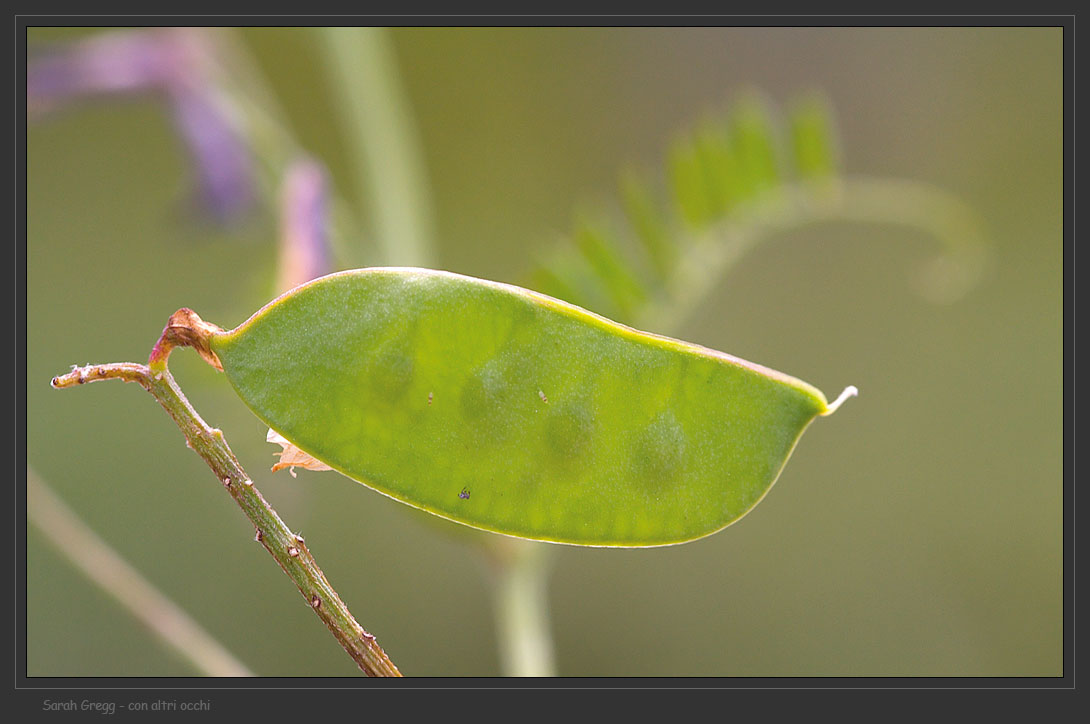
[727, 179]
[918, 533]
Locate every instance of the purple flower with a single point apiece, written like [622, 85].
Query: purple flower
[174, 64]
[106, 64]
[223, 162]
[304, 224]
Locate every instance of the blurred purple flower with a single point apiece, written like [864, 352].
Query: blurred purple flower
[304, 224]
[223, 162]
[176, 64]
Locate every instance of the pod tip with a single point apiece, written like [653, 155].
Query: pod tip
[849, 391]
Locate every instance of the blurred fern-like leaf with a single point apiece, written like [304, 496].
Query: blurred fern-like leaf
[733, 179]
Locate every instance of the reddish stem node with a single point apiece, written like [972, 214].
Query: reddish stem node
[185, 328]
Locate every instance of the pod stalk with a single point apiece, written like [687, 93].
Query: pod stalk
[185, 328]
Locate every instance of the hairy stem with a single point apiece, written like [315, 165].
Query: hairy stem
[377, 125]
[114, 575]
[288, 549]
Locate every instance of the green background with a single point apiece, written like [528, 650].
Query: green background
[918, 532]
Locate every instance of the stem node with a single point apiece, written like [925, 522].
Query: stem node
[185, 328]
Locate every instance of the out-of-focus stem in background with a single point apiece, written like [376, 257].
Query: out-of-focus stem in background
[104, 567]
[377, 125]
[519, 588]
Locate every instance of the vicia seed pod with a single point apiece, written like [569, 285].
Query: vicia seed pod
[513, 412]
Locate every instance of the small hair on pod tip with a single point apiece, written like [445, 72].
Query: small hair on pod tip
[849, 391]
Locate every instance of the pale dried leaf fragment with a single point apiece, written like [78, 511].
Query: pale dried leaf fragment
[292, 457]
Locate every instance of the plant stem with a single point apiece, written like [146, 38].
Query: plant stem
[522, 617]
[114, 575]
[287, 548]
[377, 127]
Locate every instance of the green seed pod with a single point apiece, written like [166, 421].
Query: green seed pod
[514, 412]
